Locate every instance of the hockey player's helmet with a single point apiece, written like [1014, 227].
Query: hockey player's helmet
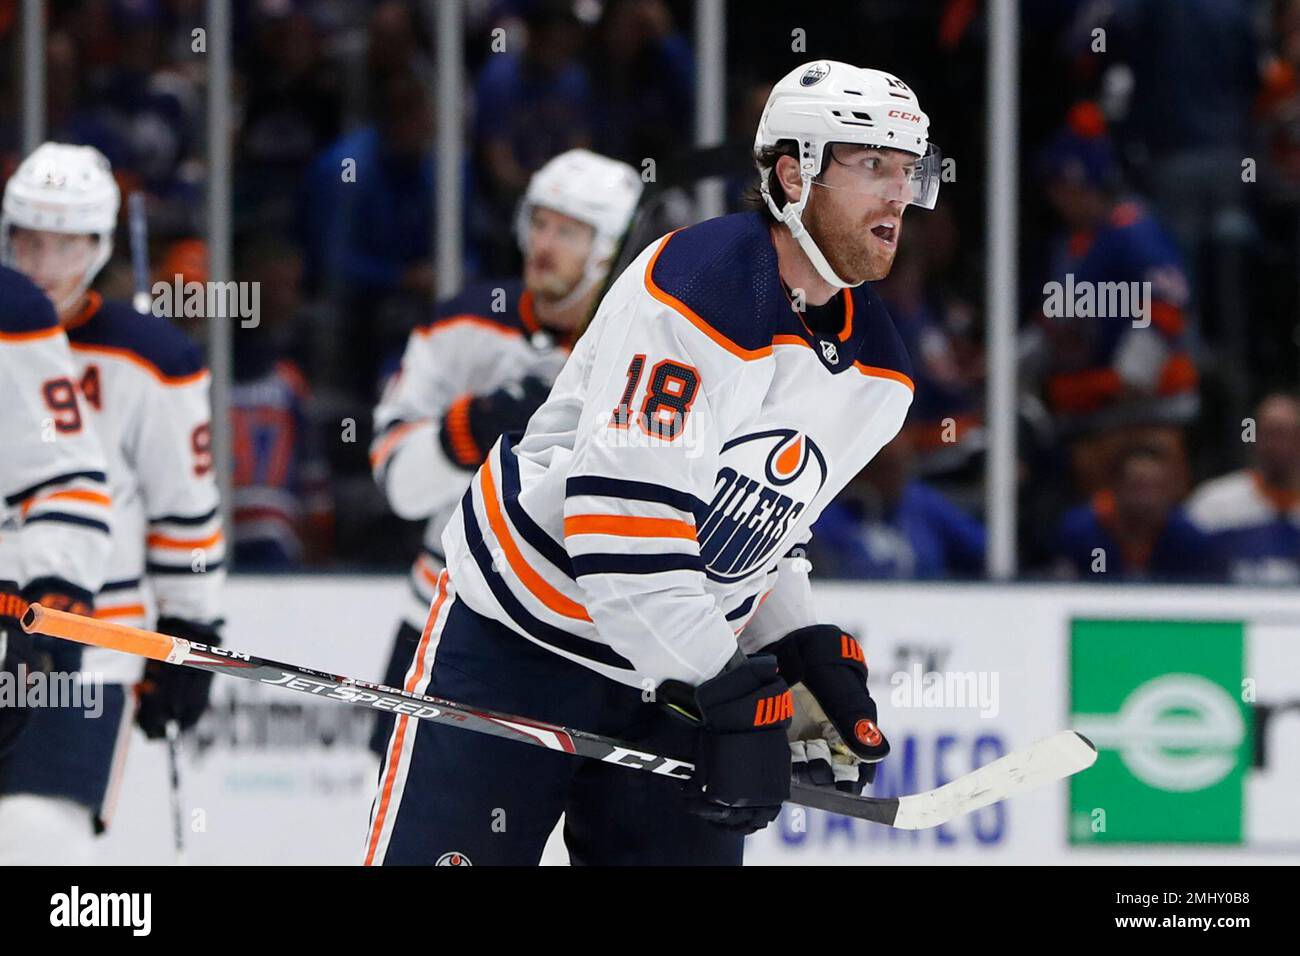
[67, 189]
[594, 189]
[827, 102]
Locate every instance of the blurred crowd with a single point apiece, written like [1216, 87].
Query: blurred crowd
[1160, 152]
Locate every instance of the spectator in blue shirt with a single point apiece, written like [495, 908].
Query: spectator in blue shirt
[1136, 530]
[888, 525]
[534, 102]
[366, 218]
[645, 97]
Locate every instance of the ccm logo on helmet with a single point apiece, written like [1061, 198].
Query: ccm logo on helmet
[908, 117]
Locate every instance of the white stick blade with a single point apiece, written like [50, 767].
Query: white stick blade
[1050, 759]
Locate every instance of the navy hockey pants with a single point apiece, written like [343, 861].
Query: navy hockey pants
[452, 797]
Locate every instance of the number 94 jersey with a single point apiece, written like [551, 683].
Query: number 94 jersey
[665, 489]
[144, 382]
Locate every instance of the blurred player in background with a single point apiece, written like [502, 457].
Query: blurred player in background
[54, 503]
[642, 544]
[144, 385]
[283, 517]
[487, 361]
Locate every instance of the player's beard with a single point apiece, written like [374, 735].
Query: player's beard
[548, 284]
[846, 242]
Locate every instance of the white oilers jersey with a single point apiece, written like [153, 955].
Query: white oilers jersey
[144, 384]
[55, 509]
[663, 491]
[482, 339]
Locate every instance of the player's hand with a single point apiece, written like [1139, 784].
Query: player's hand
[742, 759]
[51, 654]
[169, 692]
[818, 754]
[832, 668]
[15, 658]
[470, 428]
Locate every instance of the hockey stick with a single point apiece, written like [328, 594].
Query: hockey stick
[174, 785]
[1050, 759]
[139, 232]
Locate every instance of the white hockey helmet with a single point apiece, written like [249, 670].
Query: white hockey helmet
[63, 188]
[827, 102]
[591, 188]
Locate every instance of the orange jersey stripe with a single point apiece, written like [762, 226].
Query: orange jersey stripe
[530, 579]
[873, 371]
[889, 373]
[94, 497]
[31, 336]
[468, 319]
[171, 381]
[677, 305]
[162, 541]
[630, 527]
[390, 443]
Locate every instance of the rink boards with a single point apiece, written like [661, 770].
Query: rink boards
[1192, 696]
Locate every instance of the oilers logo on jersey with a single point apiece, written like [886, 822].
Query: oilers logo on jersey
[750, 517]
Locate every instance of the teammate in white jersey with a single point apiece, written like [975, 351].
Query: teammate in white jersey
[54, 503]
[143, 383]
[487, 360]
[641, 544]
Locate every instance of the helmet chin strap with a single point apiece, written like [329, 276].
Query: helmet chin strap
[102, 255]
[580, 288]
[791, 215]
[593, 272]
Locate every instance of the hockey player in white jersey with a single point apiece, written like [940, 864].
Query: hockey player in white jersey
[635, 557]
[143, 383]
[487, 360]
[54, 503]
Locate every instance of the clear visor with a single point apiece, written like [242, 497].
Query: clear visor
[891, 174]
[550, 226]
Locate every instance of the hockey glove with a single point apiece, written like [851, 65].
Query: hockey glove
[25, 654]
[474, 422]
[834, 738]
[15, 659]
[53, 655]
[169, 692]
[742, 760]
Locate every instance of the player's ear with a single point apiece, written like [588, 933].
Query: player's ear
[787, 173]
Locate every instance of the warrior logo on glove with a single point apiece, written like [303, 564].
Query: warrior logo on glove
[868, 733]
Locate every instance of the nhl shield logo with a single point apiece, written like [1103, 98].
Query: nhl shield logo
[830, 352]
[453, 859]
[815, 73]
